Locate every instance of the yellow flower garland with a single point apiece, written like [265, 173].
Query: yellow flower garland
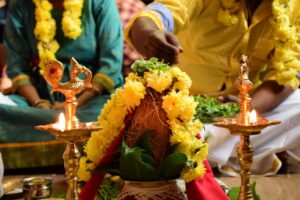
[285, 59]
[45, 28]
[178, 105]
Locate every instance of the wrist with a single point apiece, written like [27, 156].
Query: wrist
[41, 103]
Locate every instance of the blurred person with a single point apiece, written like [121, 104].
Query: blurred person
[41, 30]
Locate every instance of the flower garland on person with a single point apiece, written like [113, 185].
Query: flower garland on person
[227, 14]
[45, 28]
[285, 58]
[180, 109]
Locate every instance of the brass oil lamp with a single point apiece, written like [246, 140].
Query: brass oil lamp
[69, 128]
[245, 124]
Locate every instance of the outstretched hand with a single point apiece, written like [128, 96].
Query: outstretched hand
[152, 42]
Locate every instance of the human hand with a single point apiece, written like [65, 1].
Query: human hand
[228, 98]
[152, 42]
[58, 105]
[5, 85]
[43, 104]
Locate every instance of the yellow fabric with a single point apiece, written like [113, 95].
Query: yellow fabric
[212, 50]
[20, 81]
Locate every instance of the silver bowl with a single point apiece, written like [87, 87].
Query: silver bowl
[36, 187]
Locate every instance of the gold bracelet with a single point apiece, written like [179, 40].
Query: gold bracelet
[95, 90]
[39, 102]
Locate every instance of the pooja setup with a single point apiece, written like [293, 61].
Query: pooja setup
[149, 135]
[149, 138]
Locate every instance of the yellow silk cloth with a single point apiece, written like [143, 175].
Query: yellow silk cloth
[212, 50]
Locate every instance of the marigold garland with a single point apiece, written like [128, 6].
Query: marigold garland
[286, 34]
[45, 28]
[180, 109]
[285, 59]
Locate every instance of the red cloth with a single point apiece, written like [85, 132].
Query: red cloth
[205, 188]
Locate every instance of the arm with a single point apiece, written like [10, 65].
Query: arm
[110, 45]
[19, 55]
[269, 95]
[151, 31]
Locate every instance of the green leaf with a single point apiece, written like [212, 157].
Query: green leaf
[143, 142]
[133, 167]
[174, 147]
[142, 66]
[173, 165]
[234, 192]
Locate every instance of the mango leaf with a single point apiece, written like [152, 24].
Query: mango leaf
[173, 165]
[143, 142]
[174, 147]
[133, 167]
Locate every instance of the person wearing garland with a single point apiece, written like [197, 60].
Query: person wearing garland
[41, 30]
[207, 39]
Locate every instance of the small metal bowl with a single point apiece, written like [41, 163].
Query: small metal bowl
[36, 188]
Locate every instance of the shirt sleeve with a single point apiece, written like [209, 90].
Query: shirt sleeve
[110, 44]
[17, 46]
[169, 15]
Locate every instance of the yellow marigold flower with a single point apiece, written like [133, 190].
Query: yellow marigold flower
[294, 63]
[188, 174]
[73, 4]
[158, 80]
[180, 136]
[46, 5]
[94, 146]
[117, 116]
[182, 80]
[180, 106]
[286, 75]
[134, 91]
[134, 77]
[283, 54]
[84, 167]
[202, 154]
[71, 27]
[119, 98]
[41, 14]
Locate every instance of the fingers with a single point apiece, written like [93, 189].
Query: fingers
[172, 39]
[164, 46]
